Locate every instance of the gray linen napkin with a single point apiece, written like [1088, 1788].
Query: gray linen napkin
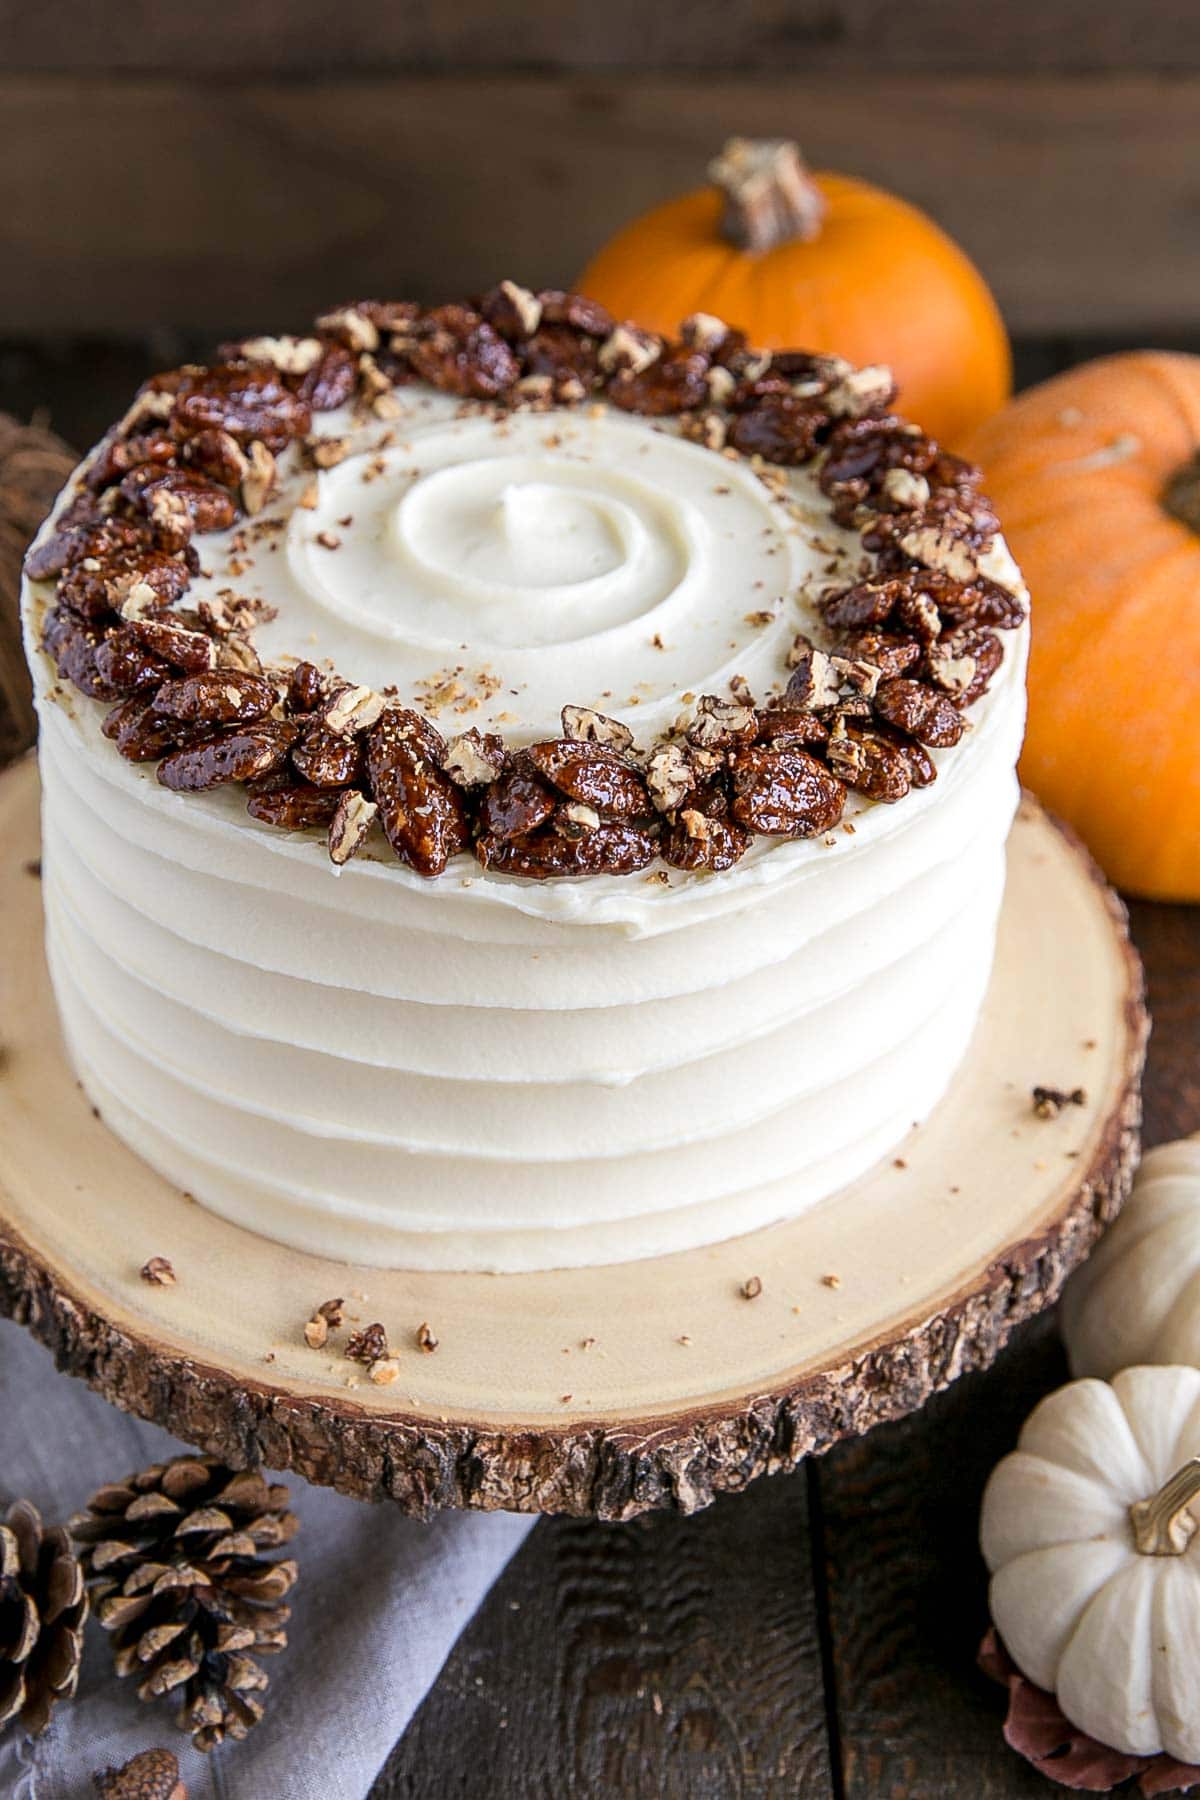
[378, 1606]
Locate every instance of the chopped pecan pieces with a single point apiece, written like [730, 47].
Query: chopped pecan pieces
[920, 711]
[587, 727]
[243, 753]
[352, 819]
[474, 758]
[719, 723]
[670, 777]
[421, 811]
[368, 1345]
[218, 697]
[592, 775]
[784, 793]
[512, 310]
[352, 709]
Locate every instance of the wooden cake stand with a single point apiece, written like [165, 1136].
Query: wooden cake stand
[604, 1391]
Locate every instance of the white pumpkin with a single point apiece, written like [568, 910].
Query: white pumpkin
[1095, 1569]
[1137, 1299]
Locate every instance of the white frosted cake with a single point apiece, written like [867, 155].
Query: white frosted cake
[361, 938]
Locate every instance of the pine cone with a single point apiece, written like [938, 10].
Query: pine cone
[150, 1775]
[43, 1604]
[174, 1557]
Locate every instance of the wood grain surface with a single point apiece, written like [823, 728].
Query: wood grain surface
[300, 36]
[812, 1637]
[239, 202]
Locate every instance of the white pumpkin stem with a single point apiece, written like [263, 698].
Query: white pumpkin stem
[770, 197]
[1162, 1525]
[1181, 496]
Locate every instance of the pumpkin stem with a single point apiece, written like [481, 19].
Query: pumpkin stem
[770, 197]
[1181, 496]
[1162, 1525]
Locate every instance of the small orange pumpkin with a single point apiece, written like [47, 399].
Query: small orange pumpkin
[1096, 476]
[817, 262]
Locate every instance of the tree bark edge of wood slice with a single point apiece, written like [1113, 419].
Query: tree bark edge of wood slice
[124, 1336]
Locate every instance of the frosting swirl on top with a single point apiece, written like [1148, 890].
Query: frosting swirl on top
[572, 555]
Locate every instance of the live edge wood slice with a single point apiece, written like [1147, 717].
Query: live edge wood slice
[608, 1391]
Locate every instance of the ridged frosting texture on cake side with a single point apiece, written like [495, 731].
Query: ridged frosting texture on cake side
[390, 1072]
[481, 1072]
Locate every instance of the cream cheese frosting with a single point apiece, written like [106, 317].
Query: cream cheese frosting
[479, 1071]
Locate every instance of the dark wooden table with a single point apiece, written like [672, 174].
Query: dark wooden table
[815, 1636]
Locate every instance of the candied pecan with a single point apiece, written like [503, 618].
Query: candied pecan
[326, 758]
[244, 753]
[719, 723]
[781, 428]
[697, 841]
[170, 498]
[784, 725]
[864, 605]
[588, 727]
[920, 711]
[868, 762]
[997, 606]
[670, 776]
[814, 683]
[570, 361]
[868, 448]
[293, 808]
[331, 382]
[102, 582]
[190, 651]
[117, 456]
[248, 400]
[72, 645]
[217, 697]
[461, 353]
[515, 804]
[138, 732]
[305, 688]
[353, 817]
[349, 710]
[784, 793]
[576, 310]
[49, 558]
[512, 310]
[216, 456]
[862, 393]
[593, 776]
[126, 666]
[421, 811]
[890, 654]
[368, 1345]
[628, 347]
[613, 848]
[963, 663]
[475, 758]
[675, 382]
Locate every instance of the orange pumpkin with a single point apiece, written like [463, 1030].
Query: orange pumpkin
[1096, 477]
[818, 262]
